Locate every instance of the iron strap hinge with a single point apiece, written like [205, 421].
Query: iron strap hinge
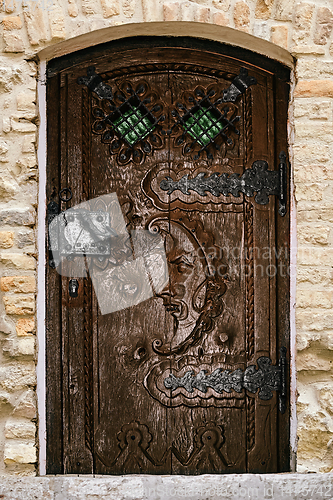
[266, 378]
[257, 179]
[53, 210]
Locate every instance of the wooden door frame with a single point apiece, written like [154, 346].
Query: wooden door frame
[41, 367]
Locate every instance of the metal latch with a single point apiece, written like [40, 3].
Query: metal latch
[77, 232]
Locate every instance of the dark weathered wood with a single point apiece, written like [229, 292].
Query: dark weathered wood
[54, 394]
[117, 416]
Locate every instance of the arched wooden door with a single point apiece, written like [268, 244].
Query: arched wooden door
[193, 379]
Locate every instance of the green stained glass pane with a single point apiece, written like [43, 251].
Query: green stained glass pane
[203, 127]
[132, 127]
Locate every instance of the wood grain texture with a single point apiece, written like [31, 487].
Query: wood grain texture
[111, 411]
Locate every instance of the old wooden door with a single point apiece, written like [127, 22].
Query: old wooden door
[187, 381]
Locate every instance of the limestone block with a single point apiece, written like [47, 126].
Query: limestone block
[322, 131]
[34, 20]
[18, 261]
[314, 256]
[222, 4]
[4, 326]
[9, 5]
[306, 153]
[77, 27]
[309, 192]
[202, 14]
[25, 326]
[26, 103]
[3, 147]
[312, 234]
[8, 186]
[57, 23]
[314, 437]
[220, 19]
[28, 145]
[17, 377]
[6, 125]
[89, 7]
[284, 10]
[187, 11]
[203, 2]
[12, 23]
[13, 42]
[301, 50]
[242, 16]
[20, 124]
[303, 21]
[18, 284]
[20, 305]
[312, 360]
[5, 399]
[6, 83]
[171, 11]
[18, 217]
[314, 321]
[314, 88]
[129, 8]
[314, 298]
[310, 173]
[6, 239]
[280, 36]
[308, 69]
[98, 24]
[20, 453]
[27, 163]
[326, 400]
[263, 9]
[23, 347]
[20, 429]
[26, 406]
[326, 214]
[25, 238]
[73, 10]
[324, 25]
[110, 8]
[313, 109]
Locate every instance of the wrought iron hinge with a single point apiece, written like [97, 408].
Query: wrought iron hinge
[257, 179]
[266, 378]
[53, 210]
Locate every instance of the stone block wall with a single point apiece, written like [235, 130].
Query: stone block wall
[302, 27]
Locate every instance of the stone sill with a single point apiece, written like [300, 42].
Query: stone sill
[148, 487]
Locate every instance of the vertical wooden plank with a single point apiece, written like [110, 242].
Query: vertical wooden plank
[283, 264]
[54, 428]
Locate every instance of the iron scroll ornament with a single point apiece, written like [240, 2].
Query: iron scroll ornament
[257, 179]
[266, 378]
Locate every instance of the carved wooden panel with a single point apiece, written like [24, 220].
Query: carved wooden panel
[159, 387]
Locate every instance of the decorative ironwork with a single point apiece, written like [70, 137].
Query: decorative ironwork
[178, 366]
[238, 86]
[209, 123]
[257, 179]
[124, 119]
[95, 83]
[266, 378]
[52, 212]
